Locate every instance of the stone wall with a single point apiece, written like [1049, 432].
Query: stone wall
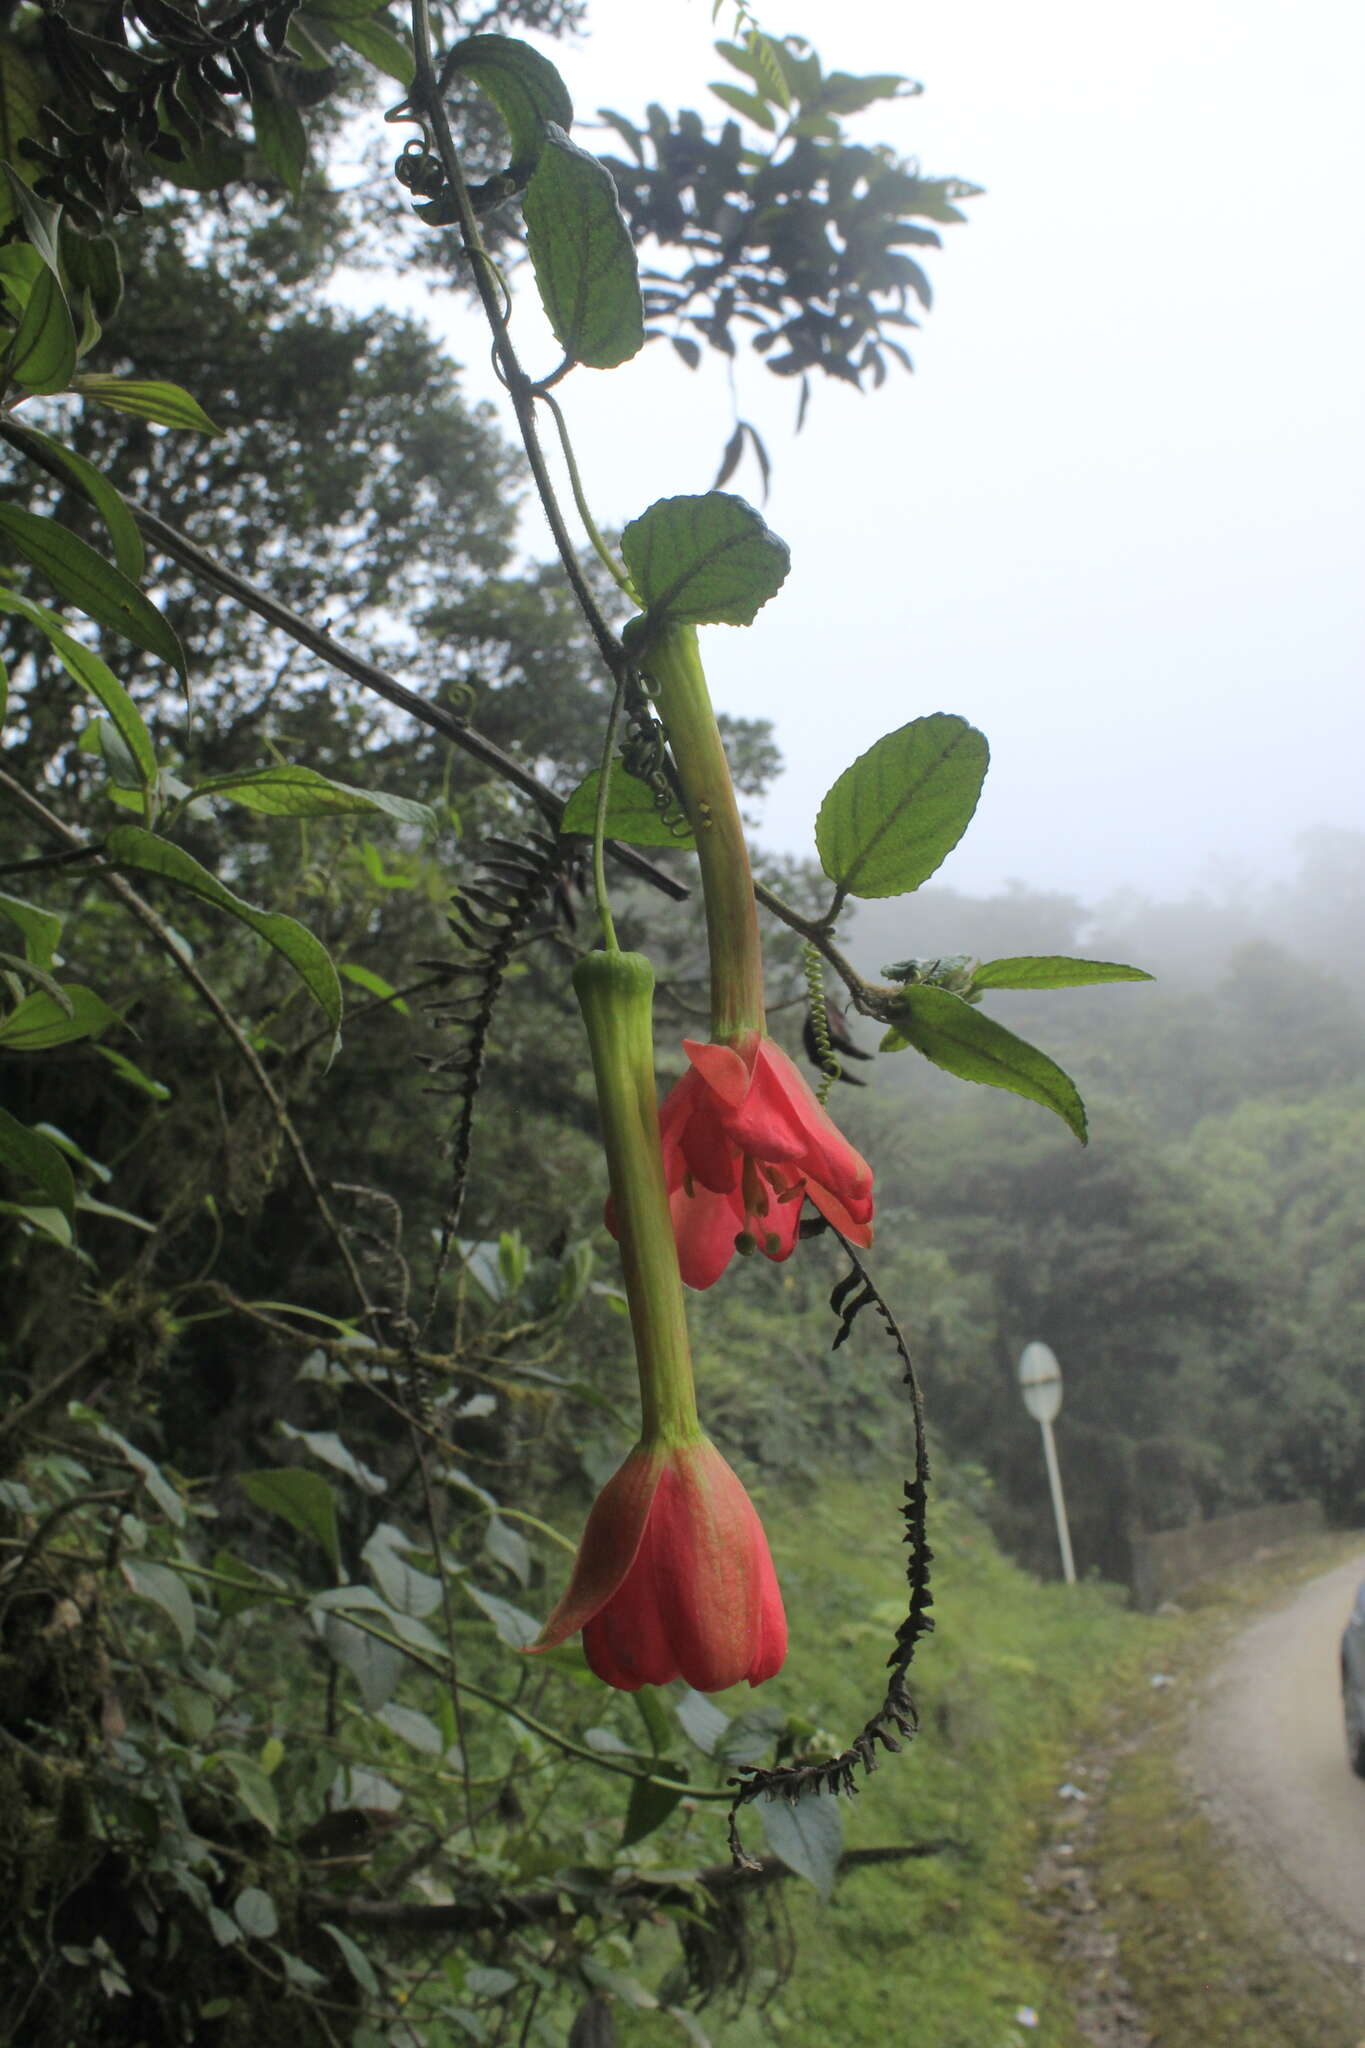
[1162, 1564]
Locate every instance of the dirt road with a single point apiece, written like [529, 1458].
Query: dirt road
[1266, 1755]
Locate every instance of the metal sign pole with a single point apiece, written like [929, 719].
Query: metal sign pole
[1040, 1383]
[1054, 1480]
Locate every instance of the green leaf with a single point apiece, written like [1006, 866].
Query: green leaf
[42, 356]
[253, 1909]
[582, 255]
[129, 1071]
[702, 1721]
[960, 1039]
[379, 46]
[1050, 970]
[41, 928]
[166, 1590]
[376, 1667]
[509, 1548]
[51, 1222]
[40, 218]
[303, 1499]
[249, 1588]
[649, 1807]
[747, 103]
[40, 1021]
[895, 815]
[103, 592]
[91, 264]
[417, 1730]
[328, 1446]
[21, 115]
[37, 1163]
[513, 1626]
[524, 87]
[280, 136]
[405, 1590]
[129, 552]
[130, 846]
[147, 1469]
[707, 560]
[354, 1957]
[84, 666]
[149, 399]
[632, 814]
[294, 792]
[807, 1834]
[375, 985]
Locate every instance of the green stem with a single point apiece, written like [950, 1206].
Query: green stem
[599, 546]
[615, 992]
[599, 825]
[673, 659]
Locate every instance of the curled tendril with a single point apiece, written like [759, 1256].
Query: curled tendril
[830, 1069]
[644, 754]
[418, 168]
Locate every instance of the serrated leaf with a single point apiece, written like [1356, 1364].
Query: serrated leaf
[303, 1499]
[149, 398]
[807, 1835]
[130, 846]
[632, 814]
[582, 255]
[893, 817]
[100, 590]
[289, 791]
[37, 1163]
[129, 553]
[40, 1020]
[525, 88]
[41, 928]
[963, 1041]
[253, 1909]
[1050, 970]
[166, 1590]
[512, 1625]
[42, 356]
[379, 46]
[706, 560]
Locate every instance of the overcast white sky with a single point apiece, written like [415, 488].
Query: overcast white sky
[1117, 516]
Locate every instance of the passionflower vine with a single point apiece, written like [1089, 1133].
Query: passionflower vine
[745, 1141]
[673, 1577]
[746, 1144]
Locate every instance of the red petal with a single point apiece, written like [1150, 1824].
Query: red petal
[611, 1539]
[825, 1153]
[711, 1157]
[856, 1230]
[712, 1570]
[626, 1642]
[722, 1069]
[705, 1226]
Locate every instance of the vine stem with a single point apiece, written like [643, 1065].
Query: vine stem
[599, 827]
[426, 101]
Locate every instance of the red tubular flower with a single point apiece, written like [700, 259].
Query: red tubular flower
[745, 1145]
[673, 1577]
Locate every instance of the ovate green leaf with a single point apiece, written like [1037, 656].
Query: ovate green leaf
[37, 1163]
[965, 1042]
[40, 1021]
[100, 590]
[294, 792]
[649, 1807]
[130, 846]
[253, 1909]
[41, 928]
[379, 46]
[303, 1499]
[894, 816]
[524, 87]
[166, 1590]
[632, 814]
[84, 666]
[1050, 970]
[707, 560]
[806, 1834]
[582, 255]
[21, 102]
[42, 356]
[513, 1626]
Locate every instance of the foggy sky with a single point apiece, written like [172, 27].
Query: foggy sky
[1116, 517]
